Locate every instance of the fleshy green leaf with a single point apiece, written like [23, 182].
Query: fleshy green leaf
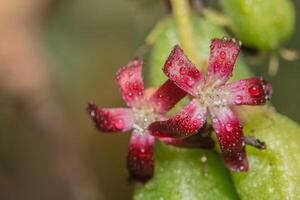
[182, 174]
[263, 24]
[275, 172]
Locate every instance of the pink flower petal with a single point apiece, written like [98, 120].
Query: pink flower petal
[130, 81]
[180, 70]
[252, 91]
[223, 54]
[185, 123]
[167, 96]
[230, 136]
[111, 119]
[140, 157]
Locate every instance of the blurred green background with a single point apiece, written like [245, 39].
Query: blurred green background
[83, 44]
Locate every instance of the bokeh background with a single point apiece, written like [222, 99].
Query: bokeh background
[55, 56]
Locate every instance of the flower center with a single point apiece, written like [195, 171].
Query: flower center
[212, 95]
[143, 117]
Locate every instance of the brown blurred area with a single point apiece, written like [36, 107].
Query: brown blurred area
[55, 56]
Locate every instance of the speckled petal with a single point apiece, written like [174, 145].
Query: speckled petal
[130, 81]
[230, 136]
[181, 71]
[184, 124]
[252, 91]
[223, 54]
[140, 157]
[111, 119]
[167, 96]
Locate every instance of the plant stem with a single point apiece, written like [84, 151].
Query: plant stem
[182, 14]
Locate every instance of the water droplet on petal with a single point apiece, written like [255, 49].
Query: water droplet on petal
[177, 117]
[168, 64]
[119, 124]
[215, 120]
[182, 71]
[222, 54]
[229, 127]
[255, 90]
[238, 99]
[190, 82]
[92, 113]
[180, 62]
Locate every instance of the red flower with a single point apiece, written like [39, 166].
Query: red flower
[210, 94]
[143, 110]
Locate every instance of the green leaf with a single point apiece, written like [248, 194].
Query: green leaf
[262, 24]
[275, 172]
[182, 174]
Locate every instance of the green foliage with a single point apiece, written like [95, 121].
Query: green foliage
[263, 24]
[182, 174]
[274, 173]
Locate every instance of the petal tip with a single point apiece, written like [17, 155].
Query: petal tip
[268, 89]
[130, 81]
[91, 109]
[241, 167]
[110, 119]
[223, 54]
[140, 161]
[181, 70]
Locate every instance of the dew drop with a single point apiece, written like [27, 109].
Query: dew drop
[174, 77]
[168, 64]
[177, 117]
[182, 70]
[229, 127]
[119, 124]
[255, 90]
[234, 56]
[243, 144]
[190, 82]
[93, 114]
[222, 54]
[238, 99]
[215, 120]
[180, 62]
[203, 159]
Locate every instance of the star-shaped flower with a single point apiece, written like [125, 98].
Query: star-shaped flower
[143, 109]
[210, 94]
